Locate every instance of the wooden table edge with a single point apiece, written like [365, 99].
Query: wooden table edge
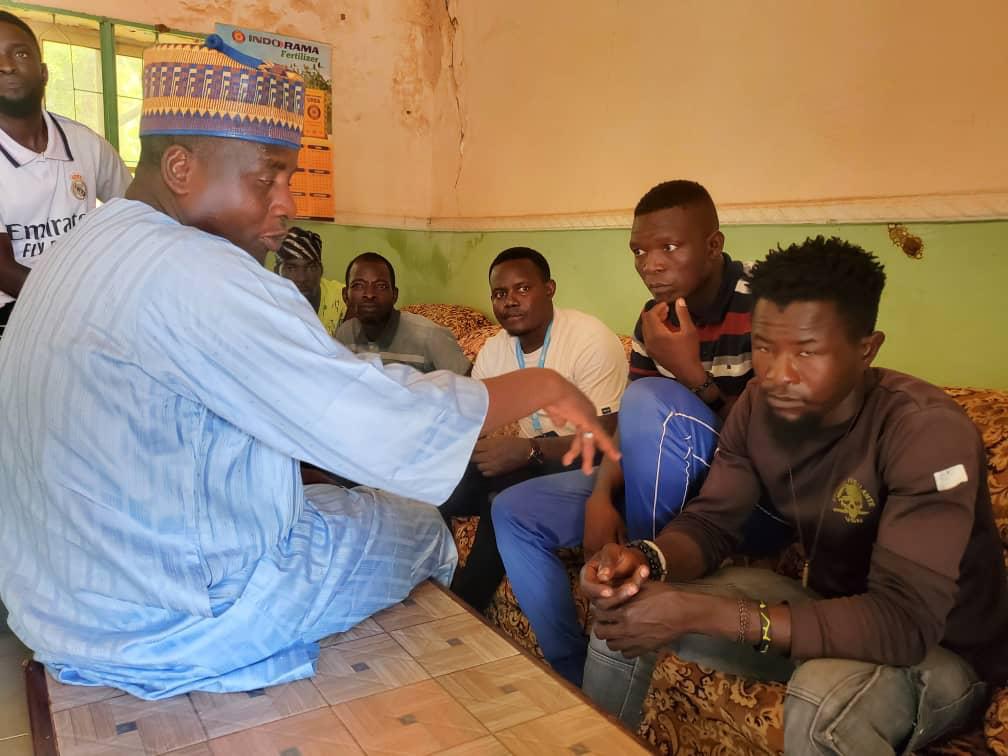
[43, 733]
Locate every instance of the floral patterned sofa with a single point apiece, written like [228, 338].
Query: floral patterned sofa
[692, 710]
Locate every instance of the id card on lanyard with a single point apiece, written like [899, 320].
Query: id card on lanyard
[520, 358]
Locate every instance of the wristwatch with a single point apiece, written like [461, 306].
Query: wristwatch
[535, 456]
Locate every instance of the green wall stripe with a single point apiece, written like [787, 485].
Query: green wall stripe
[944, 315]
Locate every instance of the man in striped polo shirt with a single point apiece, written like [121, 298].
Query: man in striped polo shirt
[691, 359]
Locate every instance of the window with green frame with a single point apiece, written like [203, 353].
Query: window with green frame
[81, 52]
[129, 95]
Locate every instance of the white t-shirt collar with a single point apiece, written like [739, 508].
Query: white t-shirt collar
[57, 147]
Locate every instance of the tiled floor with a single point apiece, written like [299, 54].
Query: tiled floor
[15, 739]
[424, 677]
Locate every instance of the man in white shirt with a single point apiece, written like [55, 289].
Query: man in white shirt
[52, 169]
[535, 334]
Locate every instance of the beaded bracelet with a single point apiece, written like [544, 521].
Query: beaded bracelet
[743, 621]
[708, 382]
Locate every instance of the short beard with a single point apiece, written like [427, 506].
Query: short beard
[791, 434]
[25, 106]
[373, 319]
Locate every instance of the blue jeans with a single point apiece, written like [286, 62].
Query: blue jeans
[667, 436]
[832, 706]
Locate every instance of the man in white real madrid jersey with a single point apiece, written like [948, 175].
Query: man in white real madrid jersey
[52, 169]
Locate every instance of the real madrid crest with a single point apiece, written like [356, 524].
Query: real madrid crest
[78, 187]
[853, 501]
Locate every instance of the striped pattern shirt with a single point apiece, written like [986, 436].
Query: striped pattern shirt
[158, 386]
[725, 330]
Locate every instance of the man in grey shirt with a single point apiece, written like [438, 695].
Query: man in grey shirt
[379, 328]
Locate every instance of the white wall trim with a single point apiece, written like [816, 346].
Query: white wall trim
[945, 207]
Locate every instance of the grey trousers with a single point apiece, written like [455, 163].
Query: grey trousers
[832, 706]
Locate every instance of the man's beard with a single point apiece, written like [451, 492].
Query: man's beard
[25, 105]
[791, 434]
[373, 318]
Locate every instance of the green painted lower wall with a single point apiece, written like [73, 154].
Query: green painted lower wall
[944, 315]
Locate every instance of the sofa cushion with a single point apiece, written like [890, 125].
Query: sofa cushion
[693, 710]
[458, 319]
[996, 723]
[988, 409]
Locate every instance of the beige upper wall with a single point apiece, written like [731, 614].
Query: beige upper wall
[575, 107]
[386, 64]
[578, 106]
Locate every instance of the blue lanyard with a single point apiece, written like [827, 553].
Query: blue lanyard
[520, 357]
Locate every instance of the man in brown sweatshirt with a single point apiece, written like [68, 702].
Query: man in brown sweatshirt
[897, 626]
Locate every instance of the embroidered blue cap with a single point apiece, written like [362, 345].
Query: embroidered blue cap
[215, 90]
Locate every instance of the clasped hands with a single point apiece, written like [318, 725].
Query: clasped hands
[633, 613]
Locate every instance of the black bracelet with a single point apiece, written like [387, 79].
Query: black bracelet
[718, 401]
[708, 382]
[653, 557]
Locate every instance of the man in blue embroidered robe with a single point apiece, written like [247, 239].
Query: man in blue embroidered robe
[158, 386]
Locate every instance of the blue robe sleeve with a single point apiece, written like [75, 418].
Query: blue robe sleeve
[244, 343]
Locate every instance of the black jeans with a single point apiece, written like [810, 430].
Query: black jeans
[477, 581]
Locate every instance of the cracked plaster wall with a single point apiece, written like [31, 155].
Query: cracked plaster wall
[578, 106]
[485, 109]
[387, 64]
